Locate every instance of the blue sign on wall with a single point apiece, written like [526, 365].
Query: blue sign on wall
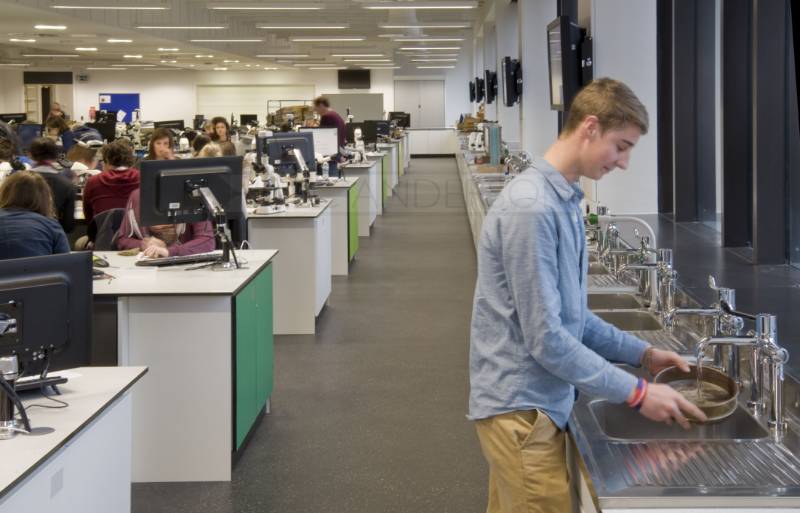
[120, 101]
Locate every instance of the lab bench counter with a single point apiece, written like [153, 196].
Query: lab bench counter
[303, 266]
[79, 457]
[207, 337]
[343, 195]
[370, 201]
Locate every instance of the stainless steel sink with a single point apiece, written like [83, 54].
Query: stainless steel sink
[631, 321]
[620, 422]
[613, 302]
[597, 268]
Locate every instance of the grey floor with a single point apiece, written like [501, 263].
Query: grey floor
[368, 415]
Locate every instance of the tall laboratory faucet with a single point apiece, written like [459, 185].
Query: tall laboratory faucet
[656, 277]
[767, 360]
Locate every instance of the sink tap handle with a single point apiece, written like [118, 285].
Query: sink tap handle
[723, 304]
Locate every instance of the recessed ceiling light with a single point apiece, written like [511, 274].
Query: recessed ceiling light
[50, 55]
[434, 60]
[430, 55]
[381, 67]
[425, 48]
[435, 67]
[453, 26]
[169, 62]
[309, 64]
[134, 65]
[228, 61]
[273, 7]
[168, 49]
[204, 56]
[269, 68]
[367, 60]
[132, 56]
[415, 7]
[327, 39]
[220, 69]
[428, 39]
[109, 8]
[282, 55]
[226, 40]
[357, 55]
[327, 67]
[15, 40]
[198, 27]
[50, 27]
[99, 68]
[86, 49]
[119, 41]
[391, 35]
[302, 27]
[19, 64]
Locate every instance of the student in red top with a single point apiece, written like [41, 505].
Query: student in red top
[329, 118]
[111, 188]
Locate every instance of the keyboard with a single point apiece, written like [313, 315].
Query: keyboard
[179, 260]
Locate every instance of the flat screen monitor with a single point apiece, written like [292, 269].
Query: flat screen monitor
[490, 83]
[403, 119]
[369, 131]
[280, 143]
[354, 79]
[198, 121]
[176, 124]
[512, 81]
[46, 304]
[248, 119]
[326, 140]
[108, 131]
[14, 118]
[480, 89]
[351, 128]
[166, 189]
[472, 95]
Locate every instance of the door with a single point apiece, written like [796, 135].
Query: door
[423, 99]
[46, 101]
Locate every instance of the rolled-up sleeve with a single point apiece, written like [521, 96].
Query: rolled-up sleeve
[530, 257]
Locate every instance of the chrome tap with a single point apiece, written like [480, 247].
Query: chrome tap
[766, 361]
[656, 278]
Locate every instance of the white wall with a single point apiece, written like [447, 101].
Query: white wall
[507, 45]
[539, 124]
[625, 49]
[12, 91]
[172, 94]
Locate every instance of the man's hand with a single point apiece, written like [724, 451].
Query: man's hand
[663, 404]
[656, 360]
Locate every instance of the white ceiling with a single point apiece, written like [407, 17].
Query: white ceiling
[91, 28]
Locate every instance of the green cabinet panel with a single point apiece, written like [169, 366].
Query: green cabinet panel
[387, 167]
[254, 352]
[352, 219]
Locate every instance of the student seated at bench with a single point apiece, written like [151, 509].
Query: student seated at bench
[27, 220]
[163, 240]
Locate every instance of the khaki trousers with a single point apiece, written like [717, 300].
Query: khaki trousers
[527, 460]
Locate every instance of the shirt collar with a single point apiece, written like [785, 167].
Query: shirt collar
[562, 186]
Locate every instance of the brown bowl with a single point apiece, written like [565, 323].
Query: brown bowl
[714, 410]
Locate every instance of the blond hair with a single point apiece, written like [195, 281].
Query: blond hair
[614, 104]
[210, 150]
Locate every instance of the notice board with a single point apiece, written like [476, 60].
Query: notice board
[120, 101]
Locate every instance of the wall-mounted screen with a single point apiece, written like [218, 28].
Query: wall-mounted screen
[491, 85]
[472, 91]
[512, 81]
[354, 79]
[480, 89]
[564, 63]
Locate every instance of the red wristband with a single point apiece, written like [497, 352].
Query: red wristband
[638, 394]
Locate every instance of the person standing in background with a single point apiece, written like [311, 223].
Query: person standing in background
[56, 112]
[329, 118]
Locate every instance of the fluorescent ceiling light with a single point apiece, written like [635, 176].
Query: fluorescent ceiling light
[416, 7]
[134, 65]
[327, 67]
[86, 49]
[269, 68]
[357, 55]
[220, 69]
[428, 39]
[434, 60]
[15, 40]
[368, 60]
[381, 67]
[169, 62]
[228, 61]
[391, 35]
[119, 41]
[430, 55]
[273, 7]
[50, 27]
[99, 68]
[226, 40]
[443, 26]
[425, 48]
[14, 64]
[168, 49]
[204, 56]
[282, 55]
[302, 27]
[309, 64]
[326, 39]
[435, 67]
[50, 55]
[197, 27]
[132, 56]
[109, 8]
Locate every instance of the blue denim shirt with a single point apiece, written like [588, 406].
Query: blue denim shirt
[533, 338]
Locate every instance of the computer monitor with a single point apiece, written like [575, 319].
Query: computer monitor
[14, 118]
[403, 119]
[326, 140]
[106, 116]
[373, 128]
[199, 121]
[108, 131]
[176, 124]
[490, 83]
[167, 189]
[351, 128]
[248, 119]
[278, 147]
[46, 310]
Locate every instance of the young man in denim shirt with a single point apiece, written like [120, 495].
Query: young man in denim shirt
[533, 339]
